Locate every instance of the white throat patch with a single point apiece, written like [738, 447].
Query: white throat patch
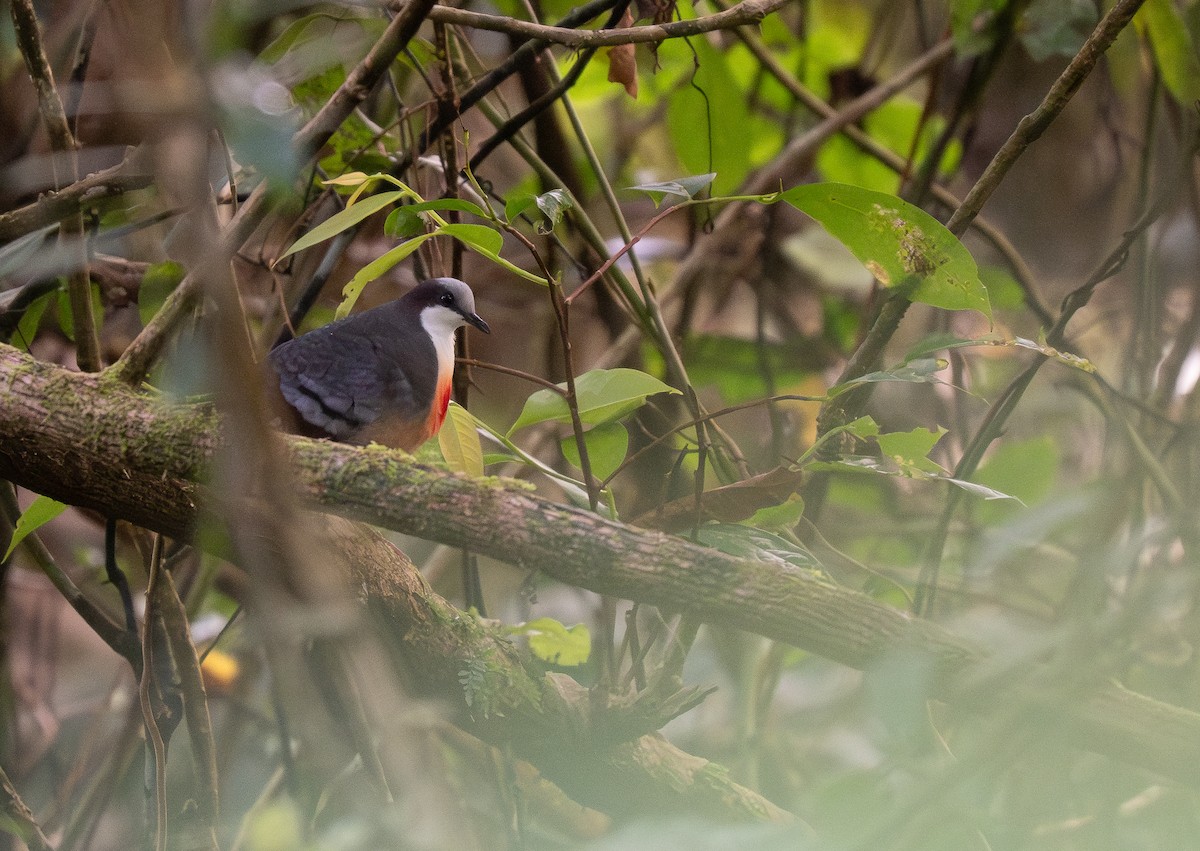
[440, 323]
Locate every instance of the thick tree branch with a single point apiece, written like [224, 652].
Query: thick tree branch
[628, 766]
[90, 442]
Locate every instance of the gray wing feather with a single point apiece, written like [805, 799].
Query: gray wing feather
[337, 380]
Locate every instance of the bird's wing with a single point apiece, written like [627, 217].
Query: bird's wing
[339, 383]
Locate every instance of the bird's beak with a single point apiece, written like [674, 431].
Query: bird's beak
[477, 321]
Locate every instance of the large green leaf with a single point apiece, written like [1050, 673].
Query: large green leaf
[459, 442]
[606, 444]
[902, 245]
[344, 219]
[603, 396]
[487, 241]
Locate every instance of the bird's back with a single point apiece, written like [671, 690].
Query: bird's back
[359, 380]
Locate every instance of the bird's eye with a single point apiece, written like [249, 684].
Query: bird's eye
[447, 299]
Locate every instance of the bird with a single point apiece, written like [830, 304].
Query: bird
[381, 376]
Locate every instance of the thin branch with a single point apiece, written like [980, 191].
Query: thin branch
[846, 407]
[22, 817]
[58, 204]
[806, 144]
[195, 701]
[1035, 123]
[993, 423]
[79, 286]
[158, 747]
[863, 141]
[110, 632]
[746, 12]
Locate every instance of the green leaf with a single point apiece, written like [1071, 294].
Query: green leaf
[402, 223]
[41, 511]
[459, 442]
[344, 219]
[778, 517]
[910, 449]
[1174, 50]
[1056, 27]
[373, 270]
[746, 542]
[406, 221]
[902, 245]
[31, 319]
[1026, 469]
[1004, 292]
[518, 204]
[708, 114]
[684, 188]
[160, 281]
[554, 643]
[486, 241]
[603, 395]
[553, 205]
[862, 427]
[607, 444]
[918, 371]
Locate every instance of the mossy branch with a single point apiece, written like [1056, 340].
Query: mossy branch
[91, 442]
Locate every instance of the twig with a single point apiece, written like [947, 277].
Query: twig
[1035, 123]
[492, 79]
[60, 203]
[79, 287]
[158, 747]
[195, 700]
[746, 12]
[22, 817]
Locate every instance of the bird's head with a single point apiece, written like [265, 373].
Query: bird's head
[443, 305]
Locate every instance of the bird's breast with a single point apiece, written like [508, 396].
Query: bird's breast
[441, 403]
